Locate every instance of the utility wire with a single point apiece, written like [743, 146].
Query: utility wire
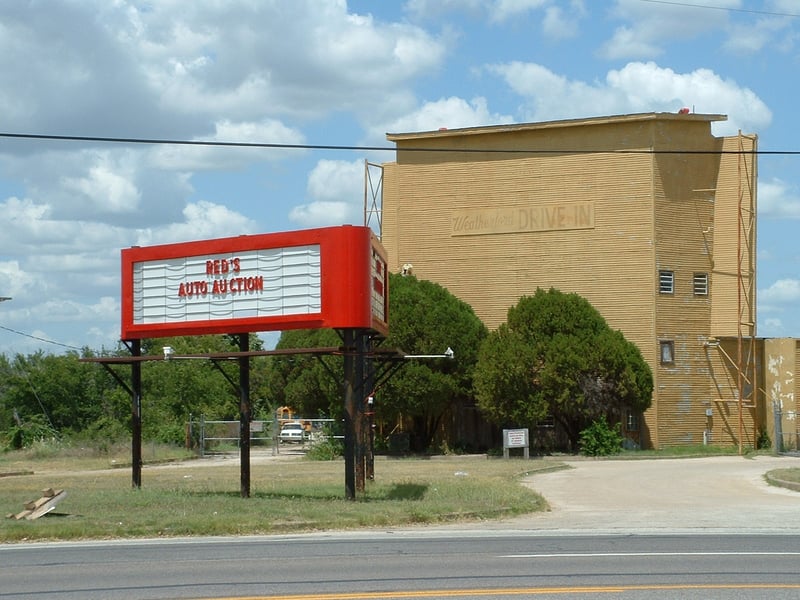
[725, 8]
[39, 339]
[207, 143]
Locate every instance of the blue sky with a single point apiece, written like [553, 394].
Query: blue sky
[331, 72]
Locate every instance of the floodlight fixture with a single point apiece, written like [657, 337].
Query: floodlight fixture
[447, 354]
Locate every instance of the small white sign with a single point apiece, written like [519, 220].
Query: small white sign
[515, 438]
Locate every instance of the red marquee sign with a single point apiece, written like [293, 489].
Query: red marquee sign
[332, 277]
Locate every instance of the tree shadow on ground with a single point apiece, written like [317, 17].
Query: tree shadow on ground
[406, 491]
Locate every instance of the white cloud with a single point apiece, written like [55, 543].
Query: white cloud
[434, 9]
[503, 10]
[783, 291]
[93, 324]
[649, 28]
[749, 38]
[637, 87]
[337, 180]
[559, 20]
[323, 214]
[238, 58]
[776, 306]
[210, 158]
[447, 112]
[778, 199]
[202, 220]
[337, 192]
[14, 282]
[56, 310]
[558, 25]
[114, 185]
[630, 43]
[105, 190]
[31, 230]
[770, 327]
[649, 25]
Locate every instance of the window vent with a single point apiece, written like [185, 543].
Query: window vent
[666, 282]
[700, 284]
[667, 348]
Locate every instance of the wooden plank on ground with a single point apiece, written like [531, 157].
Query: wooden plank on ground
[38, 508]
[47, 506]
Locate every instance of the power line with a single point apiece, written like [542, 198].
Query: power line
[262, 145]
[39, 339]
[725, 8]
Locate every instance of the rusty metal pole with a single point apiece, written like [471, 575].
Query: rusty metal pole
[350, 412]
[370, 462]
[245, 415]
[136, 415]
[369, 388]
[360, 429]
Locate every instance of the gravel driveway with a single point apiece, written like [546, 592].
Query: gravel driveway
[722, 493]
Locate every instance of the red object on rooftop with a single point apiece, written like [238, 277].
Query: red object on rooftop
[684, 111]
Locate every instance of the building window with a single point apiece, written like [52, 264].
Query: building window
[631, 421]
[666, 282]
[667, 348]
[700, 284]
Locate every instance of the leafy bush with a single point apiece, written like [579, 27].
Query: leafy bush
[166, 432]
[103, 435]
[326, 448]
[33, 430]
[601, 439]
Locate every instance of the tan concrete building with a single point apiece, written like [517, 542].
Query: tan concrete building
[648, 216]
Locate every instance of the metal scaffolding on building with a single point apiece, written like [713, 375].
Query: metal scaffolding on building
[373, 197]
[746, 296]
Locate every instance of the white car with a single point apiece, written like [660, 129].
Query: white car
[292, 432]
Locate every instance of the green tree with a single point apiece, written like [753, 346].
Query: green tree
[175, 389]
[51, 387]
[426, 319]
[75, 397]
[556, 355]
[309, 384]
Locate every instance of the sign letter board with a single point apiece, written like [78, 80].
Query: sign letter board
[333, 277]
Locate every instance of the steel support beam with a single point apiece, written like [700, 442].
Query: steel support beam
[245, 415]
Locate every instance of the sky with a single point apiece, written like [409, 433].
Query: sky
[333, 77]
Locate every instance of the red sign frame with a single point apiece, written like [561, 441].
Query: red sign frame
[353, 282]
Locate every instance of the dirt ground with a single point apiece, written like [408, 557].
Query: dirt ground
[713, 494]
[721, 493]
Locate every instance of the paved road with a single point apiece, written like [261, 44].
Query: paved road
[701, 530]
[724, 493]
[414, 565]
[374, 566]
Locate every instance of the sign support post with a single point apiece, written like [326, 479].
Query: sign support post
[350, 413]
[136, 415]
[245, 415]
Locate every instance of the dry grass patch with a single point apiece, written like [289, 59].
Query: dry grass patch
[202, 497]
